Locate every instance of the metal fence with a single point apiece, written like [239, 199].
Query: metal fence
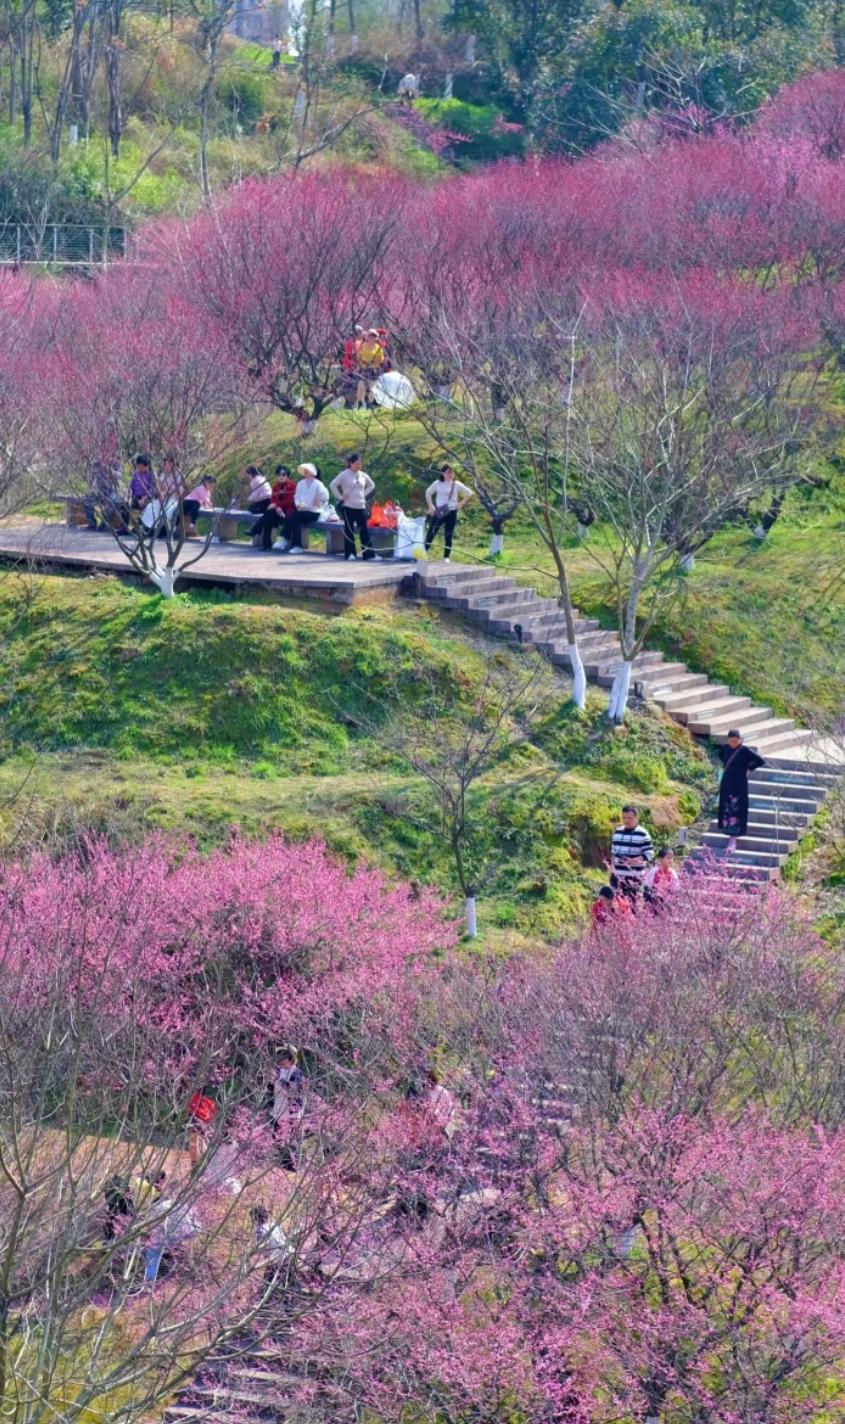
[61, 244]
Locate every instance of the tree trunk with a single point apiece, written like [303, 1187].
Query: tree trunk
[579, 677]
[469, 906]
[164, 580]
[618, 703]
[418, 24]
[497, 544]
[205, 100]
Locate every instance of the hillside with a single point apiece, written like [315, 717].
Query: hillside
[210, 712]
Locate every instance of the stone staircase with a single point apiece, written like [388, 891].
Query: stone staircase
[247, 1384]
[785, 795]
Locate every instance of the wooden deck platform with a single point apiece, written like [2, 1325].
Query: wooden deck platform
[56, 546]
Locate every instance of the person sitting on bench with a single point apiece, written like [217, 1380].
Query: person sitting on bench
[311, 499]
[258, 498]
[281, 509]
[200, 497]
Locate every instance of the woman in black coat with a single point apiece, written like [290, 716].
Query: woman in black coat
[738, 761]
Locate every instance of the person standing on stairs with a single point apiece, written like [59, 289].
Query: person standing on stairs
[445, 499]
[631, 854]
[738, 761]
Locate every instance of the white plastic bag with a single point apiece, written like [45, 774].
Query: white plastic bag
[410, 537]
[154, 510]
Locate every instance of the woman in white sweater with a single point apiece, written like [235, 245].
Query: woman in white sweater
[445, 499]
[310, 499]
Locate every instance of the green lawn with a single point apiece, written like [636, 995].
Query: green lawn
[121, 712]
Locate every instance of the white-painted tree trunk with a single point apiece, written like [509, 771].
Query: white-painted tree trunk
[497, 543]
[625, 1242]
[759, 532]
[469, 906]
[619, 693]
[579, 677]
[165, 581]
[687, 564]
[582, 530]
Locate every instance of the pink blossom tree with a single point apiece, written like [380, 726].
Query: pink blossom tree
[130, 982]
[136, 371]
[286, 269]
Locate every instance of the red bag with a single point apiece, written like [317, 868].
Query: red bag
[201, 1108]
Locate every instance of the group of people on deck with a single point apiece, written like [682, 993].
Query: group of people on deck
[292, 506]
[639, 877]
[287, 505]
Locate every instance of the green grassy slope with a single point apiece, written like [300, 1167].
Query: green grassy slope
[121, 711]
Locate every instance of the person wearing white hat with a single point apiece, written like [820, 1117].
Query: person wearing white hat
[311, 498]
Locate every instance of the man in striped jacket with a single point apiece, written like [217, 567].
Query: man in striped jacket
[631, 853]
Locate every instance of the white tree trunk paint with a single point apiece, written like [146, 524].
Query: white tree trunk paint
[759, 532]
[497, 543]
[74, 135]
[625, 1242]
[469, 906]
[579, 677]
[687, 564]
[619, 693]
[165, 581]
[582, 530]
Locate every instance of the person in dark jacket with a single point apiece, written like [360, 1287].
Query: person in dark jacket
[738, 761]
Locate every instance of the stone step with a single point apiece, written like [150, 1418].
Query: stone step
[766, 854]
[662, 679]
[554, 618]
[538, 631]
[750, 728]
[450, 578]
[234, 1399]
[780, 807]
[756, 840]
[707, 709]
[783, 741]
[503, 597]
[475, 602]
[693, 692]
[778, 829]
[830, 773]
[766, 776]
[740, 868]
[688, 683]
[446, 587]
[188, 1414]
[747, 718]
[736, 887]
[501, 620]
[588, 654]
[533, 612]
[759, 816]
[254, 1377]
[605, 672]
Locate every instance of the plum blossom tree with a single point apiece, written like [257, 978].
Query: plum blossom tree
[27, 311]
[125, 991]
[286, 269]
[135, 371]
[689, 402]
[632, 1206]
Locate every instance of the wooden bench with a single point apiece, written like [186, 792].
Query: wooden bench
[75, 513]
[230, 520]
